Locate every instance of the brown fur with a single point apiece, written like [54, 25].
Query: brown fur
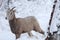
[22, 25]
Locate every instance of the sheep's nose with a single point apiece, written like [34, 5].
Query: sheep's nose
[5, 17]
[43, 33]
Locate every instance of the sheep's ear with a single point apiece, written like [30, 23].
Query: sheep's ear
[14, 10]
[8, 9]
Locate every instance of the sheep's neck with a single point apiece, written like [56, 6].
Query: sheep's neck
[12, 22]
[12, 25]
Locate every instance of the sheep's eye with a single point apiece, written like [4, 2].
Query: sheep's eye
[11, 13]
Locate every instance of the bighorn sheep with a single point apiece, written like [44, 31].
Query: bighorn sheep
[22, 25]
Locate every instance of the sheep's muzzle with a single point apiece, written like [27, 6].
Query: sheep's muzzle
[5, 17]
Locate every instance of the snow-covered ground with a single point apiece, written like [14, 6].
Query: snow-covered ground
[41, 9]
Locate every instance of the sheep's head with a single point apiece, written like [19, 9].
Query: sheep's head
[10, 13]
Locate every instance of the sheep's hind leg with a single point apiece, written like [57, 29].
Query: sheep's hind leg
[30, 34]
[38, 29]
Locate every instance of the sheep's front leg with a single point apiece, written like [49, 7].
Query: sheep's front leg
[19, 33]
[17, 36]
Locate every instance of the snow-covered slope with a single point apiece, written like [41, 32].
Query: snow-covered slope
[41, 9]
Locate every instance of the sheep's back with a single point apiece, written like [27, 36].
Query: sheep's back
[26, 23]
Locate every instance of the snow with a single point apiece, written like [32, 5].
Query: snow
[41, 9]
[5, 35]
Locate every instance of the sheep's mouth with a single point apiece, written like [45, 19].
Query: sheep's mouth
[6, 18]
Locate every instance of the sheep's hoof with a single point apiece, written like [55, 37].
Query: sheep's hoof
[36, 37]
[18, 39]
[33, 36]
